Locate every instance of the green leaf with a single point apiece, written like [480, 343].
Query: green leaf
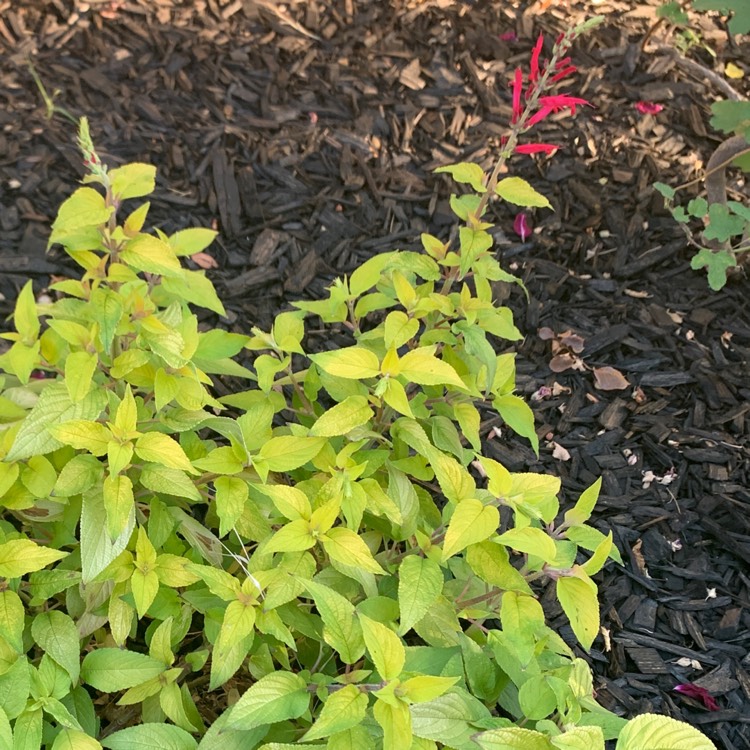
[341, 628]
[287, 452]
[517, 414]
[150, 254]
[342, 710]
[368, 274]
[113, 669]
[27, 732]
[57, 635]
[423, 367]
[448, 719]
[420, 583]
[424, 688]
[536, 698]
[668, 192]
[530, 540]
[276, 697]
[513, 738]
[85, 208]
[717, 263]
[395, 720]
[133, 180]
[117, 493]
[520, 193]
[291, 502]
[161, 449]
[730, 116]
[83, 435]
[581, 511]
[169, 481]
[399, 328]
[231, 496]
[194, 287]
[150, 736]
[345, 546]
[384, 646]
[353, 411]
[54, 407]
[579, 738]
[21, 556]
[466, 172]
[577, 597]
[490, 561]
[25, 316]
[656, 732]
[601, 554]
[6, 733]
[75, 739]
[12, 619]
[353, 362]
[191, 241]
[470, 523]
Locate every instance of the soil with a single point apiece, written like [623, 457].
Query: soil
[307, 133]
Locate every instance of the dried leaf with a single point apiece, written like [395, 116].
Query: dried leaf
[204, 260]
[640, 560]
[564, 361]
[546, 334]
[609, 379]
[572, 341]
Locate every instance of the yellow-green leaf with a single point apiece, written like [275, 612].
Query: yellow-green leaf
[532, 541]
[395, 720]
[399, 328]
[342, 710]
[420, 583]
[345, 546]
[118, 503]
[133, 180]
[292, 537]
[158, 448]
[425, 688]
[145, 587]
[191, 241]
[287, 452]
[384, 646]
[520, 193]
[353, 411]
[21, 556]
[150, 254]
[466, 172]
[577, 597]
[82, 434]
[470, 523]
[423, 367]
[353, 362]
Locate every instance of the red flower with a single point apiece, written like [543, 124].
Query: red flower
[517, 90]
[536, 148]
[534, 74]
[551, 104]
[699, 693]
[563, 73]
[648, 108]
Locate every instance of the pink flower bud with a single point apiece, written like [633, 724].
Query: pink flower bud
[521, 226]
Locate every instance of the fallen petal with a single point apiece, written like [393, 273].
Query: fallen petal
[609, 379]
[536, 148]
[699, 693]
[204, 260]
[509, 36]
[649, 108]
[559, 452]
[521, 226]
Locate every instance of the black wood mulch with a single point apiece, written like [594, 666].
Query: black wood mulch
[307, 132]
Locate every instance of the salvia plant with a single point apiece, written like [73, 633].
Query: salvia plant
[323, 560]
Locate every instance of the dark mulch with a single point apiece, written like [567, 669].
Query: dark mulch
[307, 136]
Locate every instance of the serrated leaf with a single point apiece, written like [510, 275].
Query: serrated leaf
[53, 407]
[276, 697]
[656, 732]
[191, 241]
[12, 619]
[133, 180]
[113, 669]
[579, 738]
[513, 738]
[399, 328]
[342, 710]
[286, 453]
[345, 546]
[353, 411]
[470, 523]
[520, 193]
[157, 448]
[423, 367]
[466, 172]
[21, 556]
[57, 635]
[420, 583]
[353, 362]
[150, 254]
[530, 540]
[577, 597]
[517, 414]
[384, 646]
[150, 736]
[341, 631]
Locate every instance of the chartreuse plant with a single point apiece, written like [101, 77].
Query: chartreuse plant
[324, 560]
[726, 236]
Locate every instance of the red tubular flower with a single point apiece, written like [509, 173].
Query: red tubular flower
[560, 101]
[649, 108]
[536, 148]
[563, 73]
[517, 90]
[534, 75]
